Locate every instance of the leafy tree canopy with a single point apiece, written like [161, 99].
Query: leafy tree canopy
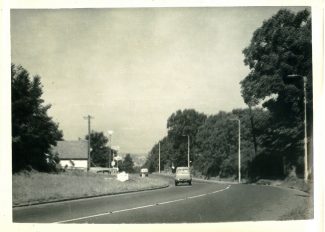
[180, 125]
[127, 164]
[280, 47]
[167, 155]
[100, 152]
[33, 131]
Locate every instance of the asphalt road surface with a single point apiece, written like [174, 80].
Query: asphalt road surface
[201, 202]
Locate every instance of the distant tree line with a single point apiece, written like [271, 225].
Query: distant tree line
[272, 126]
[102, 154]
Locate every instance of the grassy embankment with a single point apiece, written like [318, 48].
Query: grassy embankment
[35, 187]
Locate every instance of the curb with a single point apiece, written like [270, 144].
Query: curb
[87, 197]
[306, 194]
[201, 180]
[214, 181]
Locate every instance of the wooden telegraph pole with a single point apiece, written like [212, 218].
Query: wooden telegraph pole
[88, 160]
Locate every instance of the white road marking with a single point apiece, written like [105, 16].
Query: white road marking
[218, 191]
[197, 196]
[168, 202]
[141, 207]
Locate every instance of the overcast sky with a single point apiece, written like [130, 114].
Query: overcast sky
[132, 68]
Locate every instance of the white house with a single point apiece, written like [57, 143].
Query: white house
[72, 154]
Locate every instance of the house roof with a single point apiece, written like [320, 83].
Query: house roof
[72, 149]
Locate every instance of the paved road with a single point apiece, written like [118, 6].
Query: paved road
[201, 202]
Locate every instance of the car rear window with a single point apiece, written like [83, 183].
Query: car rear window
[182, 171]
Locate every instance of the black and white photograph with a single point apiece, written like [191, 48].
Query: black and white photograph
[163, 115]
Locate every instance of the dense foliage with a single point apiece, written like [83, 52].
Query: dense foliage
[214, 147]
[272, 127]
[183, 125]
[101, 154]
[280, 48]
[33, 131]
[127, 164]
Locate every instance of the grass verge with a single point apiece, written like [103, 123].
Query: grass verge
[34, 187]
[290, 182]
[301, 212]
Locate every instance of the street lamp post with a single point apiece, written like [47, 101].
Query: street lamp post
[159, 156]
[110, 133]
[188, 150]
[117, 158]
[304, 78]
[239, 156]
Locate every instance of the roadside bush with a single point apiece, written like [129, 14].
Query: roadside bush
[136, 169]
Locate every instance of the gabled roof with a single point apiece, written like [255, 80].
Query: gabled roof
[72, 149]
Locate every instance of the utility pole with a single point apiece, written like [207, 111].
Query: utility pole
[188, 151]
[306, 173]
[304, 79]
[159, 155]
[88, 160]
[239, 156]
[110, 133]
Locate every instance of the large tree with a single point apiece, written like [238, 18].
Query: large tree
[280, 48]
[33, 131]
[214, 148]
[167, 155]
[217, 143]
[101, 154]
[127, 164]
[180, 125]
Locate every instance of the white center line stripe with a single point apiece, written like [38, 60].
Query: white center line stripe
[197, 196]
[140, 207]
[167, 202]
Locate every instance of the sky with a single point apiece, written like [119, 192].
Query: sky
[130, 69]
